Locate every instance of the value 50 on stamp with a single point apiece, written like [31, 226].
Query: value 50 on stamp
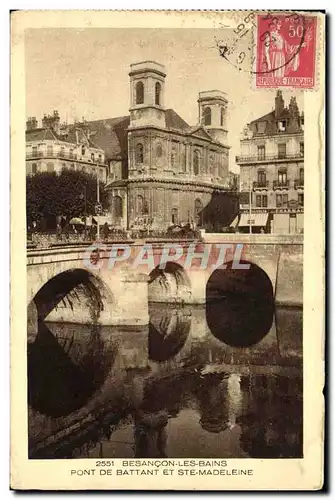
[285, 50]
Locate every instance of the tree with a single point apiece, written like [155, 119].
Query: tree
[51, 194]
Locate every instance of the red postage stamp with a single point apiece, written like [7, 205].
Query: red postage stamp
[285, 50]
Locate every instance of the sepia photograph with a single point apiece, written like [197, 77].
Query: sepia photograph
[165, 234]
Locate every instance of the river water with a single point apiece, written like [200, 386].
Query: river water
[222, 381]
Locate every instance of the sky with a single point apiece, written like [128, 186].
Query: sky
[83, 73]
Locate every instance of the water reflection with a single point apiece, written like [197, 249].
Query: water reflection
[226, 322]
[64, 371]
[168, 331]
[171, 389]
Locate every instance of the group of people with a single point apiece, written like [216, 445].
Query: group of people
[86, 232]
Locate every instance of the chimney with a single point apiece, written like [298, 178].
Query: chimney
[31, 123]
[52, 121]
[279, 103]
[293, 107]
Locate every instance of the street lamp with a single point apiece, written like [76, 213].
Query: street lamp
[250, 226]
[98, 205]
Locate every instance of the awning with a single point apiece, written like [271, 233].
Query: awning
[103, 219]
[234, 223]
[256, 219]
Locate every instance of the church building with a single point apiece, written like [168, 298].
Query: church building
[160, 170]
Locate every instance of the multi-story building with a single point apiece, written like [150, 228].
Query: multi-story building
[161, 171]
[53, 147]
[272, 171]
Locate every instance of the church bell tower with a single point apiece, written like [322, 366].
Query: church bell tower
[147, 85]
[213, 113]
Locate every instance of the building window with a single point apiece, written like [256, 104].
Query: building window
[302, 148]
[281, 126]
[94, 171]
[139, 205]
[83, 150]
[139, 153]
[301, 199]
[34, 151]
[84, 169]
[159, 150]
[118, 208]
[100, 158]
[174, 216]
[207, 116]
[258, 200]
[282, 177]
[211, 165]
[282, 150]
[158, 89]
[260, 127]
[261, 177]
[71, 153]
[198, 208]
[34, 168]
[264, 200]
[196, 162]
[261, 152]
[62, 152]
[139, 93]
[281, 200]
[301, 175]
[278, 200]
[173, 156]
[50, 167]
[222, 117]
[302, 122]
[50, 150]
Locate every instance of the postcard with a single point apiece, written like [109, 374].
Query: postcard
[167, 250]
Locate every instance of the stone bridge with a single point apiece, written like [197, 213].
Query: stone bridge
[62, 279]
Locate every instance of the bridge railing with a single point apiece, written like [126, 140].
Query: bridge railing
[40, 240]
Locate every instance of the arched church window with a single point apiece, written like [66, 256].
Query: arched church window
[174, 216]
[139, 205]
[159, 150]
[196, 162]
[173, 156]
[198, 209]
[222, 117]
[207, 116]
[158, 89]
[117, 206]
[139, 93]
[139, 153]
[211, 164]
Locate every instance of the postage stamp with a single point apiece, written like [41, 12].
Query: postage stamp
[285, 50]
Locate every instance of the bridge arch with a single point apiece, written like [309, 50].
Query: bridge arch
[239, 304]
[73, 287]
[171, 284]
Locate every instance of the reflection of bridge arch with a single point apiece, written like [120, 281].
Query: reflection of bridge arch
[79, 286]
[168, 331]
[247, 292]
[170, 284]
[64, 372]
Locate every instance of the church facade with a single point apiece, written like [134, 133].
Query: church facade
[161, 171]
